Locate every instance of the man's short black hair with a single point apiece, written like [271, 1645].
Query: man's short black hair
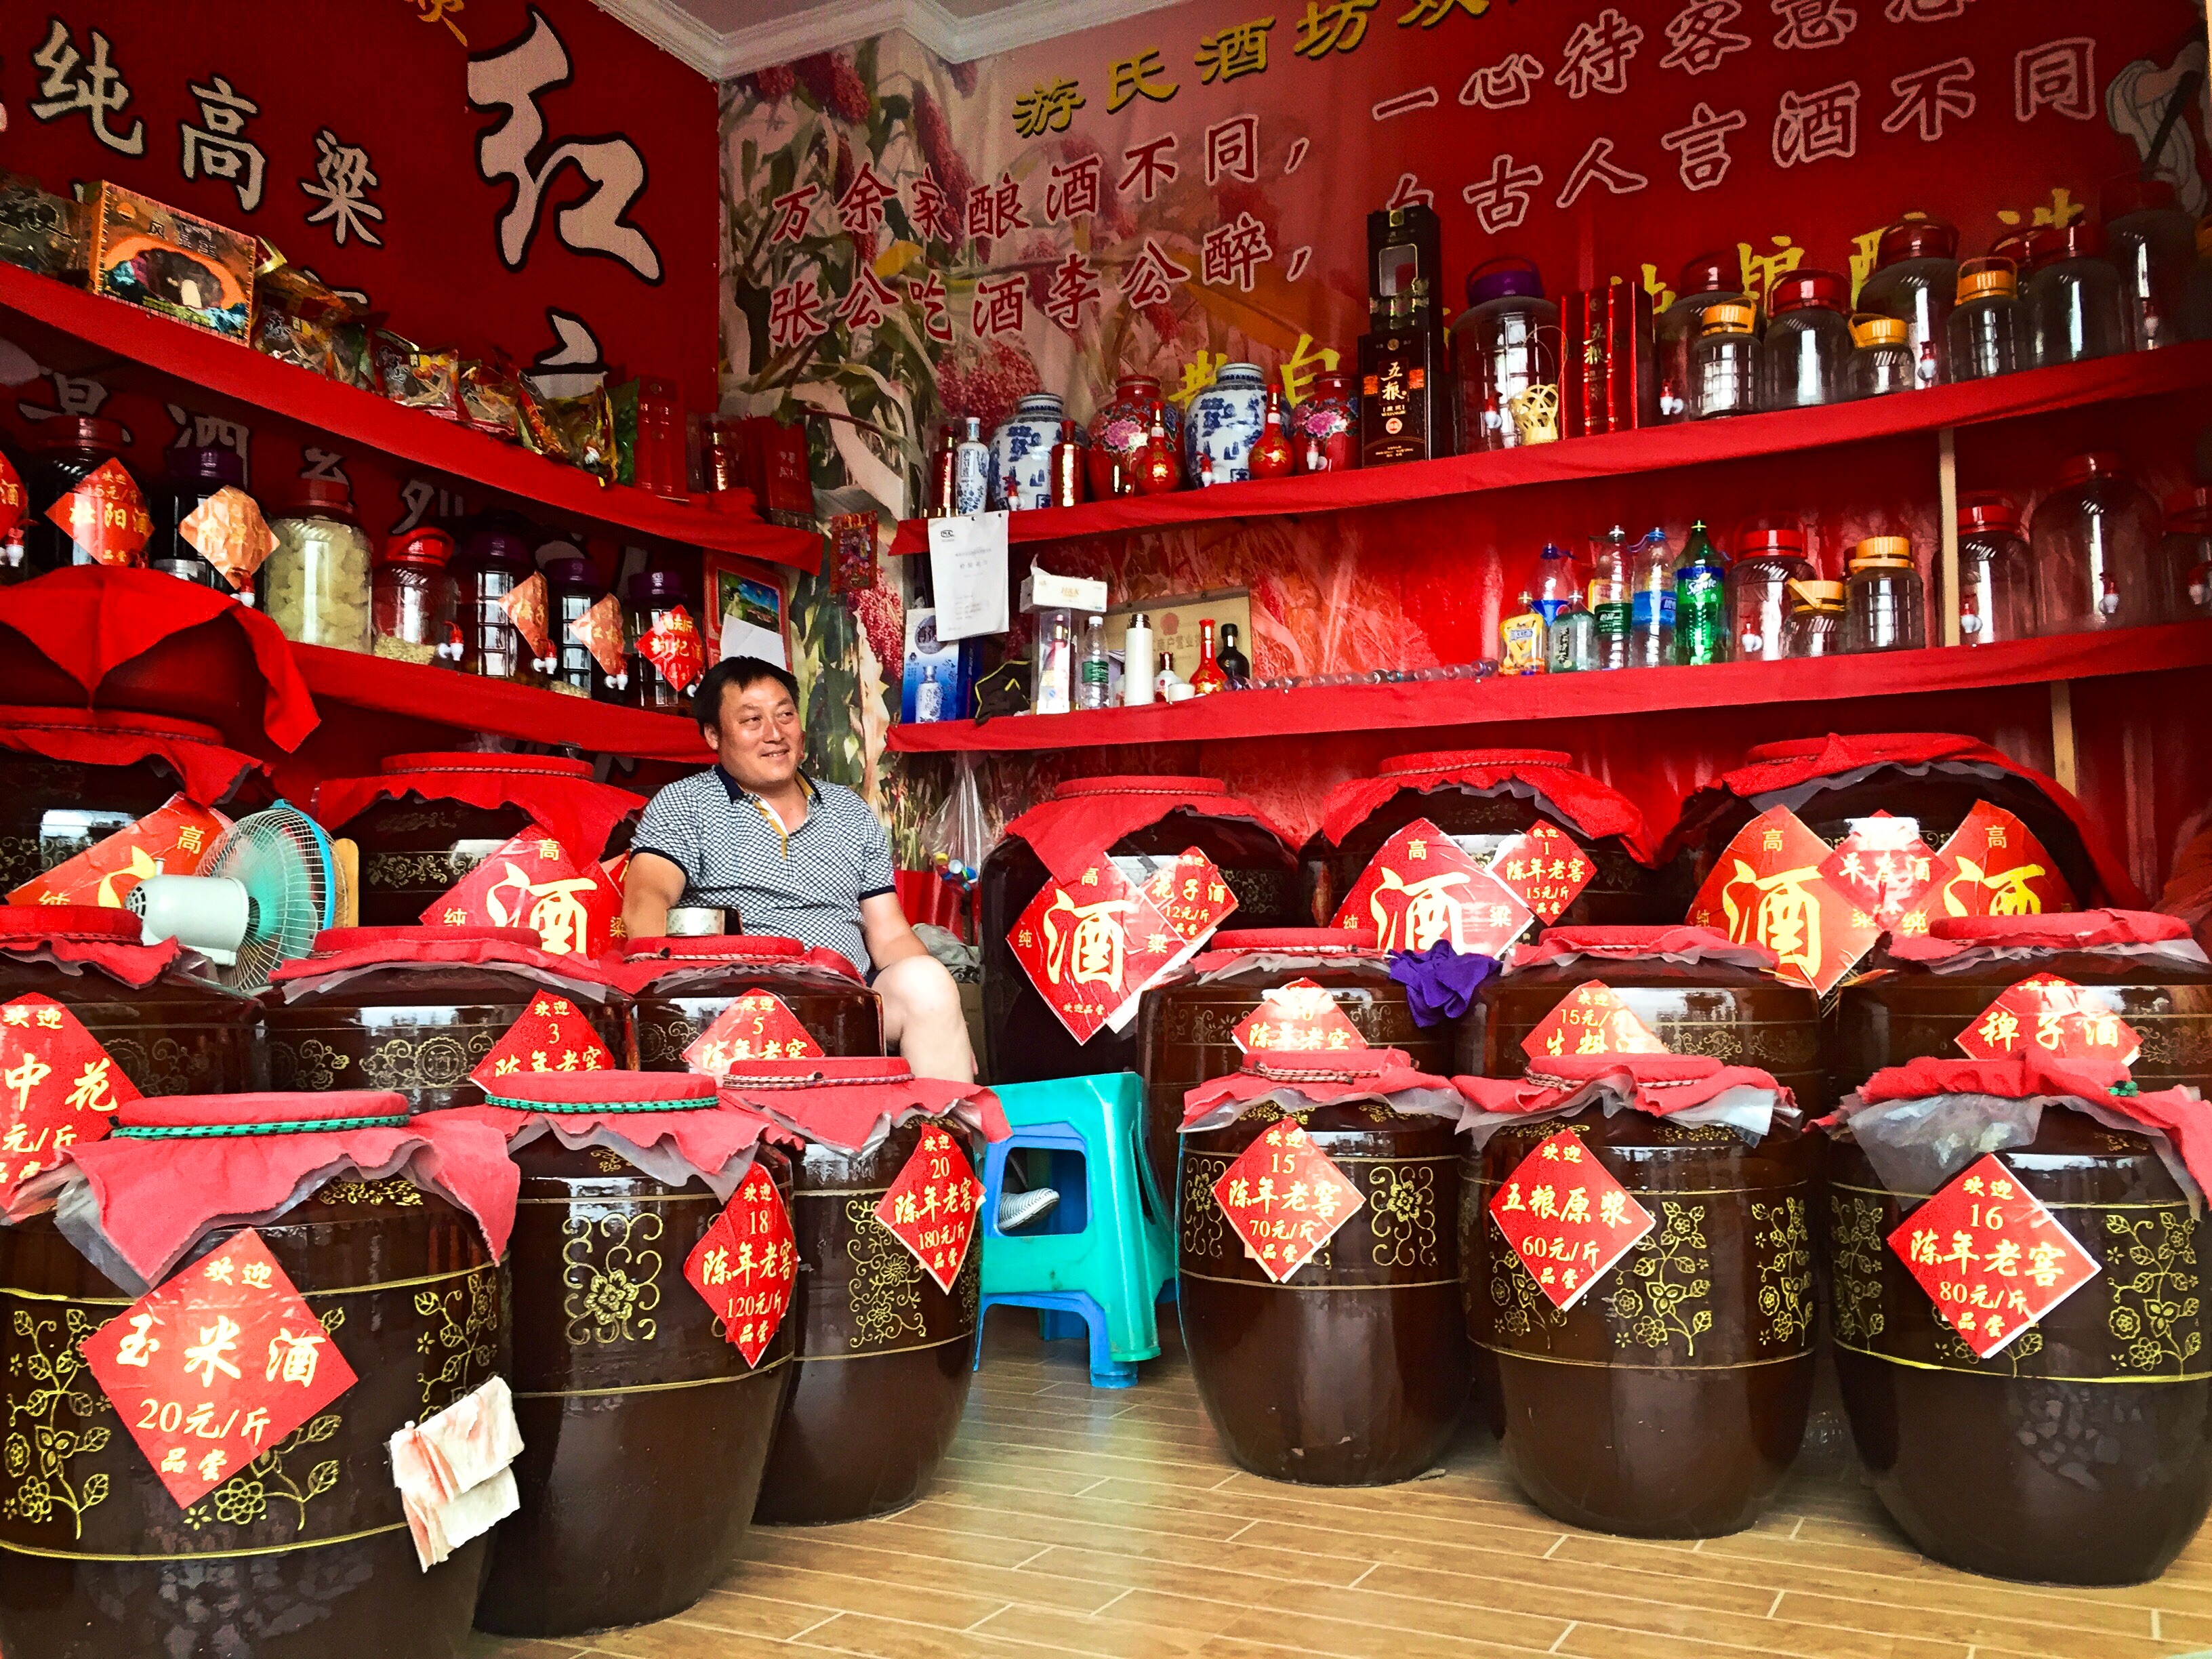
[738, 671]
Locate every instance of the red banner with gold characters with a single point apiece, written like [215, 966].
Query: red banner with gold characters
[1767, 889]
[1284, 1199]
[2001, 869]
[1590, 1020]
[1566, 1217]
[174, 839]
[106, 515]
[2061, 1019]
[746, 1264]
[552, 1036]
[58, 1087]
[15, 505]
[1992, 1259]
[1193, 895]
[531, 882]
[675, 648]
[1419, 889]
[1886, 869]
[1546, 869]
[758, 1025]
[1300, 1015]
[213, 1369]
[933, 1206]
[1093, 947]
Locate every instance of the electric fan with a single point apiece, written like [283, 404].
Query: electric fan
[269, 885]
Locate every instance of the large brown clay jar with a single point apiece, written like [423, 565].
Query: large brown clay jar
[1354, 1371]
[2080, 1453]
[51, 810]
[1623, 891]
[644, 1431]
[417, 1027]
[175, 1036]
[1186, 1029]
[308, 1556]
[671, 1006]
[884, 1356]
[1670, 1401]
[1023, 1041]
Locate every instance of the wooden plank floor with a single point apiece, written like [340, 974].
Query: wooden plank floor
[1074, 1520]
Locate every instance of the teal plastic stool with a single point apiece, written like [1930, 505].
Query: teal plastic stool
[1111, 1255]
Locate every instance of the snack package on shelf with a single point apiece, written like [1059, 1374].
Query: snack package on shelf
[189, 269]
[297, 318]
[491, 397]
[414, 378]
[39, 231]
[578, 431]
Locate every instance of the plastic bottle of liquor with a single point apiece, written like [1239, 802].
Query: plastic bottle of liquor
[1701, 613]
[1651, 603]
[1097, 668]
[1206, 677]
[1609, 597]
[1572, 638]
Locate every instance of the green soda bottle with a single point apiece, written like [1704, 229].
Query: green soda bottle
[1702, 633]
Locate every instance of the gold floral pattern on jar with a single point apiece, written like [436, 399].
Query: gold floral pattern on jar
[885, 1293]
[265, 1482]
[393, 1189]
[49, 1425]
[2155, 1316]
[1784, 1243]
[434, 1062]
[1654, 1297]
[313, 1064]
[1203, 1231]
[1520, 1307]
[610, 1293]
[1401, 1214]
[464, 1328]
[1855, 1251]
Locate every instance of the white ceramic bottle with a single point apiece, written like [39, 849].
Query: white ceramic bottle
[1139, 682]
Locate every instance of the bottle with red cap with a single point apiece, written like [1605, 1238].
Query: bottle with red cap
[2153, 247]
[2073, 299]
[315, 585]
[2186, 552]
[71, 450]
[1916, 280]
[1808, 340]
[2094, 542]
[1996, 594]
[411, 602]
[1768, 559]
[1707, 281]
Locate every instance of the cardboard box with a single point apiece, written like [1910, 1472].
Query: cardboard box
[1042, 591]
[1175, 624]
[945, 667]
[185, 267]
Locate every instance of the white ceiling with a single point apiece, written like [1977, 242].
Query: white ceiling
[724, 38]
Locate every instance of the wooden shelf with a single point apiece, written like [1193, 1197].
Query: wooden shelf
[2035, 391]
[248, 378]
[1309, 710]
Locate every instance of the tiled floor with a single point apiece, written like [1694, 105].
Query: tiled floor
[1075, 1521]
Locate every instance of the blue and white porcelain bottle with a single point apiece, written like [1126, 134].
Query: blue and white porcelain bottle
[1225, 421]
[1021, 452]
[971, 470]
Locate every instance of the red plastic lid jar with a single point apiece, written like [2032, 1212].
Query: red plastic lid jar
[83, 432]
[1769, 541]
[1710, 273]
[1986, 512]
[1916, 239]
[2082, 239]
[316, 498]
[1821, 289]
[2097, 463]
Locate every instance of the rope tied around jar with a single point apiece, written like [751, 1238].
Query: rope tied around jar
[218, 1131]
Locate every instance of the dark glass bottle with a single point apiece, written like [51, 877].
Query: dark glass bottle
[1397, 394]
[647, 601]
[1702, 629]
[1233, 662]
[70, 452]
[492, 564]
[573, 588]
[189, 476]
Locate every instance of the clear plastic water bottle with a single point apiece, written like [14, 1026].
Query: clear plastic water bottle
[1556, 582]
[1651, 603]
[1097, 668]
[1609, 603]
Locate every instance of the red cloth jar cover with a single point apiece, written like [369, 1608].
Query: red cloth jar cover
[179, 1165]
[653, 960]
[114, 633]
[1681, 944]
[1087, 815]
[1282, 947]
[1773, 766]
[205, 770]
[75, 937]
[1591, 809]
[559, 794]
[344, 953]
[1961, 941]
[852, 1104]
[1744, 1097]
[667, 1125]
[1297, 1078]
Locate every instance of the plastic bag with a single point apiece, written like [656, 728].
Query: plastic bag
[961, 832]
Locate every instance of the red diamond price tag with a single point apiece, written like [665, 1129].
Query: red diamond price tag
[551, 1035]
[1090, 947]
[173, 840]
[1566, 1217]
[13, 503]
[2054, 1015]
[1590, 1020]
[58, 1088]
[931, 1207]
[1767, 889]
[1419, 888]
[674, 647]
[1285, 1199]
[2003, 869]
[1299, 1015]
[1544, 869]
[1192, 896]
[210, 1369]
[532, 883]
[1992, 1259]
[106, 515]
[756, 1026]
[746, 1264]
[1888, 872]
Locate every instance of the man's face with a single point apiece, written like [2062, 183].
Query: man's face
[756, 738]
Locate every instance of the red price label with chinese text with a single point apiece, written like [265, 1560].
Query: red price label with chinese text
[1992, 1259]
[1090, 947]
[552, 1036]
[2044, 1011]
[1301, 1015]
[216, 1366]
[531, 882]
[105, 515]
[1566, 1217]
[933, 1206]
[1888, 872]
[1767, 889]
[1283, 1199]
[13, 501]
[173, 840]
[674, 648]
[1590, 1020]
[756, 1026]
[746, 1264]
[1192, 895]
[58, 1088]
[1546, 869]
[2003, 869]
[1419, 888]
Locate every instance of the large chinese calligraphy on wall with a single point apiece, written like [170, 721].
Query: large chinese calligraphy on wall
[909, 240]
